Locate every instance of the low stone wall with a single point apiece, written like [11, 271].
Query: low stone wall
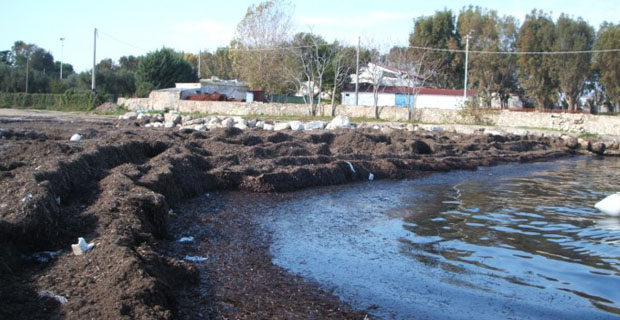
[574, 123]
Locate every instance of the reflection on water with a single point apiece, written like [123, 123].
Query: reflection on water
[502, 242]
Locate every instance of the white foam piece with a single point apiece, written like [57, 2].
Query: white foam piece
[610, 205]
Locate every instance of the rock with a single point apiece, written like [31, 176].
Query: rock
[410, 127]
[130, 116]
[241, 126]
[141, 116]
[597, 147]
[196, 121]
[200, 127]
[314, 125]
[371, 177]
[212, 126]
[570, 142]
[387, 130]
[252, 123]
[340, 122]
[228, 123]
[432, 128]
[186, 128]
[175, 118]
[148, 125]
[268, 127]
[296, 125]
[169, 124]
[240, 120]
[81, 247]
[157, 124]
[584, 144]
[260, 124]
[421, 147]
[281, 126]
[76, 137]
[214, 120]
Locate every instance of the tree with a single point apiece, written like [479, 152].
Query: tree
[107, 64]
[129, 63]
[490, 73]
[438, 31]
[5, 57]
[256, 49]
[313, 56]
[161, 69]
[573, 70]
[342, 63]
[537, 34]
[608, 63]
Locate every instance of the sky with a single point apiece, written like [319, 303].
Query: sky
[135, 27]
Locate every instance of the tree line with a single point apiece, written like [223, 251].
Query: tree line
[267, 55]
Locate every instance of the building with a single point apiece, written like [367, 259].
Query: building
[399, 96]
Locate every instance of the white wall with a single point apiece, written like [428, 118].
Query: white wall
[389, 99]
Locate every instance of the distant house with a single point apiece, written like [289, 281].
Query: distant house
[397, 96]
[396, 88]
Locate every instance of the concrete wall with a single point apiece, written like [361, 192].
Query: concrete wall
[575, 123]
[389, 99]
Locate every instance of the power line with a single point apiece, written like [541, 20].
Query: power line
[516, 52]
[120, 41]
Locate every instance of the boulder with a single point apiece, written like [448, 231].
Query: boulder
[200, 127]
[268, 127]
[196, 121]
[340, 122]
[228, 123]
[76, 137]
[214, 120]
[296, 125]
[240, 126]
[130, 116]
[281, 126]
[175, 118]
[597, 147]
[570, 142]
[240, 120]
[157, 124]
[314, 125]
[169, 124]
[259, 124]
[251, 123]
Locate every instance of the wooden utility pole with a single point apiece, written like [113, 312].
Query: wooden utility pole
[93, 87]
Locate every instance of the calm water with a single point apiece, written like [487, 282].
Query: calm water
[515, 241]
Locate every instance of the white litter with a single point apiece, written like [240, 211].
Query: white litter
[196, 258]
[371, 177]
[350, 166]
[76, 137]
[58, 200]
[45, 256]
[49, 294]
[81, 247]
[610, 205]
[27, 197]
[186, 239]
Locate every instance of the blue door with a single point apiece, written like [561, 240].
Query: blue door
[401, 100]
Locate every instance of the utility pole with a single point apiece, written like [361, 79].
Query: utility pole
[93, 87]
[27, 71]
[357, 72]
[466, 62]
[62, 49]
[199, 52]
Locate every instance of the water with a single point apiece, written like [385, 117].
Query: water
[514, 241]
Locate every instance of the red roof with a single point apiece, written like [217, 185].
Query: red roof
[421, 91]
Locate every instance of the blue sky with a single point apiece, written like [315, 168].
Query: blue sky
[136, 27]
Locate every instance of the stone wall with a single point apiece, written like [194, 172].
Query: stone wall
[574, 123]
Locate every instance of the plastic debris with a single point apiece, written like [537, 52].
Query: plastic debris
[27, 197]
[196, 258]
[186, 239]
[76, 137]
[49, 294]
[58, 200]
[371, 177]
[610, 205]
[350, 166]
[81, 247]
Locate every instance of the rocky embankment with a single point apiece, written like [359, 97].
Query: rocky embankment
[114, 183]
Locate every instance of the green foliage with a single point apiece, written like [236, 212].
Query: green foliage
[439, 31]
[472, 113]
[162, 68]
[488, 73]
[573, 70]
[69, 101]
[608, 63]
[537, 34]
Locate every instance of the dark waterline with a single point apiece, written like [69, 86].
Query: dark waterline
[513, 241]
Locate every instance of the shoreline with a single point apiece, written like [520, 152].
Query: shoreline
[116, 186]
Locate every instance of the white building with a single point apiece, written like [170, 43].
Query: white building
[400, 96]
